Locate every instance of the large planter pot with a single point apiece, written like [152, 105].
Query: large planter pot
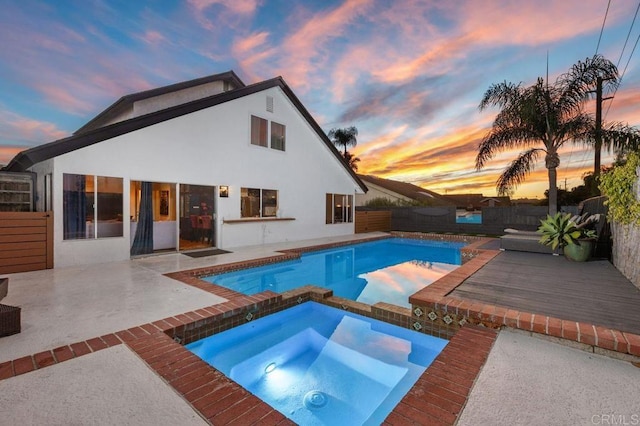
[579, 252]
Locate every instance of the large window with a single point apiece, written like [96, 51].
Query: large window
[277, 135]
[339, 208]
[92, 206]
[256, 202]
[260, 133]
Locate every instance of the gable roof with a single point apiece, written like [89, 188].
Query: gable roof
[25, 159]
[127, 101]
[408, 190]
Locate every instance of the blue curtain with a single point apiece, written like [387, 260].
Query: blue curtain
[75, 206]
[143, 241]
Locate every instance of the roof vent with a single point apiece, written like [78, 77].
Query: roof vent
[270, 103]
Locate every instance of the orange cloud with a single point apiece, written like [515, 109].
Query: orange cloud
[8, 152]
[446, 163]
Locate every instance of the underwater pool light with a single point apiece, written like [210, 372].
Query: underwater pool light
[269, 368]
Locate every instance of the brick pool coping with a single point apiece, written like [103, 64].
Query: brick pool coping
[438, 396]
[434, 308]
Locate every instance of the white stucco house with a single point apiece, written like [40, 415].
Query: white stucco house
[210, 162]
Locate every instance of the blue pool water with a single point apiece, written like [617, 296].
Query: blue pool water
[387, 270]
[318, 365]
[466, 217]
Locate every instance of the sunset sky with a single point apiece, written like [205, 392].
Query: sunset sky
[408, 74]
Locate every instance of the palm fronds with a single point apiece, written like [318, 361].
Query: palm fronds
[517, 171]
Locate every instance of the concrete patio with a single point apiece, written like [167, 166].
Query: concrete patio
[526, 379]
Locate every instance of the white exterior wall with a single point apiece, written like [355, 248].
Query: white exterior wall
[212, 147]
[376, 191]
[41, 170]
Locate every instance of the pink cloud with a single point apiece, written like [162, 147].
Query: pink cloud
[441, 49]
[153, 37]
[236, 6]
[249, 44]
[530, 23]
[18, 132]
[232, 9]
[252, 50]
[304, 49]
[64, 98]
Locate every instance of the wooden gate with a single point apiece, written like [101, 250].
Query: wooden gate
[26, 241]
[370, 221]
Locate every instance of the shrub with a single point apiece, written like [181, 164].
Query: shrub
[619, 185]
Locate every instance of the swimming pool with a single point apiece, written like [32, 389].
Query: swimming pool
[468, 217]
[318, 365]
[388, 270]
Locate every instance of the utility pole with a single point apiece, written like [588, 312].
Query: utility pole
[598, 145]
[598, 135]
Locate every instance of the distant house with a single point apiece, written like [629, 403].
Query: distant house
[477, 201]
[203, 163]
[398, 192]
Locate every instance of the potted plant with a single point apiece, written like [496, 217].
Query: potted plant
[571, 234]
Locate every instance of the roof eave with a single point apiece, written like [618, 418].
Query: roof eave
[26, 159]
[133, 97]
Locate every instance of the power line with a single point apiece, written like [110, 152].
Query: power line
[625, 69]
[604, 21]
[602, 29]
[628, 35]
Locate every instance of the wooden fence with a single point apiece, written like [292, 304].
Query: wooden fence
[370, 221]
[26, 241]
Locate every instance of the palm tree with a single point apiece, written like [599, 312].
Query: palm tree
[540, 119]
[343, 138]
[351, 160]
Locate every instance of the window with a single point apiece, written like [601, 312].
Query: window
[256, 202]
[269, 202]
[92, 207]
[339, 208]
[258, 131]
[277, 136]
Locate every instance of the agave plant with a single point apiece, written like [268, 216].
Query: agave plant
[559, 230]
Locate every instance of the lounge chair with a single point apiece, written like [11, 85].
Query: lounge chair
[523, 241]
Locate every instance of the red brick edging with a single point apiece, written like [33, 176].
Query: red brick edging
[437, 398]
[433, 308]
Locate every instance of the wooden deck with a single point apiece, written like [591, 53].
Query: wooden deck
[592, 292]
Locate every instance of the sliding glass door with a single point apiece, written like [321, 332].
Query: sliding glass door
[197, 213]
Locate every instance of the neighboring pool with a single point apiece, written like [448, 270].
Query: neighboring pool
[388, 270]
[319, 365]
[468, 217]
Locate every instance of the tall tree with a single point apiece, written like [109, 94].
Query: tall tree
[540, 119]
[344, 138]
[351, 160]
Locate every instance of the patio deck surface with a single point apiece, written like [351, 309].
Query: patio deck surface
[92, 350]
[593, 292]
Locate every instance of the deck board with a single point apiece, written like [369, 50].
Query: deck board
[593, 292]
